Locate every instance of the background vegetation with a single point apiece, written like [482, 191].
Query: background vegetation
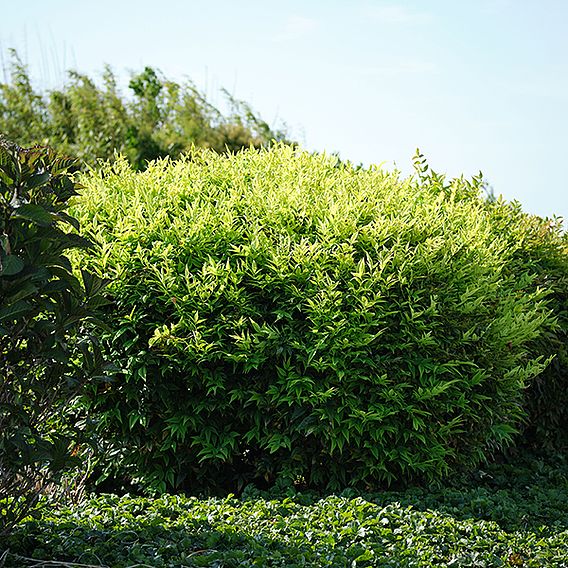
[158, 118]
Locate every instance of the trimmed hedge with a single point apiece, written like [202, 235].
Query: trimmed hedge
[283, 314]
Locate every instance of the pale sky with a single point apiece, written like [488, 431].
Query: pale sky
[475, 84]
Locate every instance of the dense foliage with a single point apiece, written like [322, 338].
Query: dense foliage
[539, 246]
[281, 314]
[542, 246]
[160, 117]
[515, 514]
[46, 350]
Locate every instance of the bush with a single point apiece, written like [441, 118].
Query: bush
[283, 314]
[46, 350]
[540, 248]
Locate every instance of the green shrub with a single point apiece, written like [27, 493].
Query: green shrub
[540, 248]
[46, 350]
[283, 314]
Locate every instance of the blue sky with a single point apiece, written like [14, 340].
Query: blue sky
[476, 85]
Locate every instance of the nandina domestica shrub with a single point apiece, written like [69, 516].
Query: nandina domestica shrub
[283, 314]
[540, 248]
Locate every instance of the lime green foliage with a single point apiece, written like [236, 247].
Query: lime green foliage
[159, 118]
[517, 515]
[281, 314]
[46, 349]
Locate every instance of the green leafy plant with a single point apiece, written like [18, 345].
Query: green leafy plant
[511, 515]
[47, 351]
[284, 315]
[542, 247]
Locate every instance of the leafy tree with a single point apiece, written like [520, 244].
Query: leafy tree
[23, 111]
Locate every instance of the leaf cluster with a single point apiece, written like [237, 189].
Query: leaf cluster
[542, 246]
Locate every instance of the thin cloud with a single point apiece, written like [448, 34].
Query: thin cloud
[495, 6]
[296, 27]
[396, 14]
[399, 67]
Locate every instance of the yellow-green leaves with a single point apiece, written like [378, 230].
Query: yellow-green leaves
[317, 319]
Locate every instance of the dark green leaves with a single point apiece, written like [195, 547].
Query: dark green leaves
[14, 311]
[35, 213]
[47, 347]
[10, 265]
[37, 180]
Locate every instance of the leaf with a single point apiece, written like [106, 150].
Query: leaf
[38, 179]
[10, 265]
[4, 245]
[78, 241]
[28, 289]
[90, 282]
[16, 310]
[8, 165]
[35, 213]
[66, 218]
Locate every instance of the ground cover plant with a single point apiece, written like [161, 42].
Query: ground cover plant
[509, 514]
[47, 346]
[283, 315]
